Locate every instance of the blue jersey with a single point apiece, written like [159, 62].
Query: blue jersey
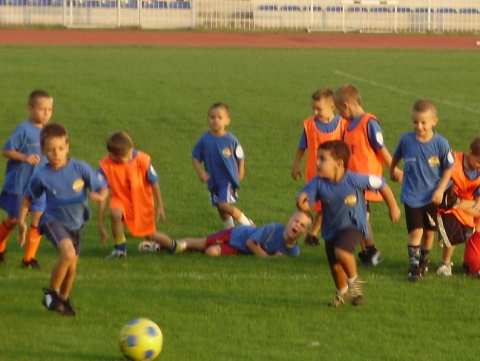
[269, 238]
[220, 156]
[66, 192]
[424, 166]
[321, 127]
[24, 139]
[343, 203]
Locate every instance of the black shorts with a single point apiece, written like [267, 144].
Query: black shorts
[453, 232]
[347, 240]
[423, 217]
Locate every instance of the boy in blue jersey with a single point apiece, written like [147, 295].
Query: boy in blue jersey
[65, 182]
[22, 150]
[345, 223]
[224, 161]
[271, 240]
[428, 166]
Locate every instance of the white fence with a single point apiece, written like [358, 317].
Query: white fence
[452, 16]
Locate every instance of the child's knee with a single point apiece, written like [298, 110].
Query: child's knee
[116, 215]
[213, 251]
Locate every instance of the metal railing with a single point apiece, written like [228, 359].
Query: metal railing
[452, 16]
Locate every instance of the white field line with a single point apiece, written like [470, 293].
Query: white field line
[404, 92]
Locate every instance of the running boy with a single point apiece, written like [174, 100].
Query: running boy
[368, 151]
[133, 186]
[324, 125]
[428, 168]
[23, 152]
[344, 225]
[65, 182]
[271, 240]
[224, 162]
[456, 226]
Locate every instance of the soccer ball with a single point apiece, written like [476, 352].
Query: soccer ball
[141, 340]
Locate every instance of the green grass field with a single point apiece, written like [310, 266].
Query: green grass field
[235, 308]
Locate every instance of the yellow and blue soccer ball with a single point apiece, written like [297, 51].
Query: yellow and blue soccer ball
[141, 340]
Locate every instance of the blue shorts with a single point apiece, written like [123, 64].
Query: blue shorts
[12, 202]
[55, 232]
[227, 193]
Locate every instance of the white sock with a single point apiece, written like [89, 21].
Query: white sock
[352, 280]
[228, 223]
[244, 220]
[342, 291]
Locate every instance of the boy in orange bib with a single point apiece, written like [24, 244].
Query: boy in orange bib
[133, 186]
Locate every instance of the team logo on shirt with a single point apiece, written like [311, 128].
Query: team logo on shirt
[351, 200]
[433, 161]
[78, 185]
[226, 152]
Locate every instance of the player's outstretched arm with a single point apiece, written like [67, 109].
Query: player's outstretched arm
[389, 198]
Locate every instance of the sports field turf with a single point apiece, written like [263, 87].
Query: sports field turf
[235, 308]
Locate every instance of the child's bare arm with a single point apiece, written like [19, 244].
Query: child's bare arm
[157, 194]
[389, 198]
[256, 249]
[22, 225]
[396, 174]
[393, 174]
[296, 172]
[437, 195]
[241, 169]
[21, 157]
[302, 202]
[102, 206]
[202, 174]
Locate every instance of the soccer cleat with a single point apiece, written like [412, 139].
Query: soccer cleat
[51, 301]
[370, 257]
[356, 292]
[445, 269]
[149, 246]
[449, 200]
[252, 223]
[415, 274]
[338, 300]
[312, 241]
[2, 258]
[423, 264]
[117, 253]
[68, 309]
[32, 264]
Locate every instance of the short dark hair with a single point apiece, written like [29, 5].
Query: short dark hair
[119, 143]
[424, 105]
[219, 105]
[52, 130]
[347, 92]
[338, 149]
[475, 146]
[322, 93]
[37, 94]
